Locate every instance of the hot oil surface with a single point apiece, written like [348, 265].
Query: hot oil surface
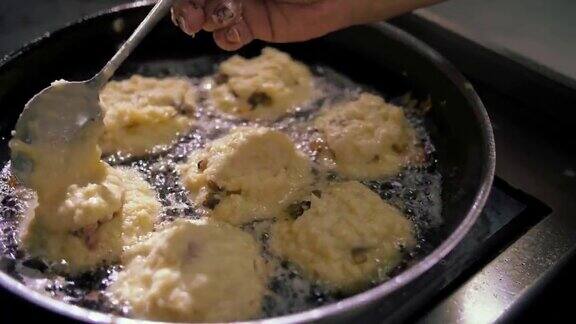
[416, 191]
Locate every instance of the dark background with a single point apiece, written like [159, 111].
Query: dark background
[24, 20]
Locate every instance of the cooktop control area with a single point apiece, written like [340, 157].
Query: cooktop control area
[526, 231]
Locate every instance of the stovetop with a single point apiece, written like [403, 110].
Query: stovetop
[533, 122]
[523, 241]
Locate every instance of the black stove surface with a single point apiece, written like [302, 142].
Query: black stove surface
[518, 255]
[536, 152]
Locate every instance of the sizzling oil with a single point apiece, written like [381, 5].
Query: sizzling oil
[416, 191]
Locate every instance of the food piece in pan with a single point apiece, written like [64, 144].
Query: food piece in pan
[348, 237]
[142, 113]
[93, 223]
[367, 138]
[85, 204]
[200, 270]
[265, 87]
[249, 174]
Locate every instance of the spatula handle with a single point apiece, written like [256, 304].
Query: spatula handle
[154, 16]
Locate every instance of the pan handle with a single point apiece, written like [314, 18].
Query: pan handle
[154, 16]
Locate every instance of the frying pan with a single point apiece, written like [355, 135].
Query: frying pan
[379, 55]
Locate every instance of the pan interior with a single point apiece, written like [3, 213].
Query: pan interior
[391, 69]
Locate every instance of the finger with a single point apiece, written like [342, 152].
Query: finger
[234, 37]
[221, 13]
[188, 15]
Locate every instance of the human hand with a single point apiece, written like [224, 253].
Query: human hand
[235, 23]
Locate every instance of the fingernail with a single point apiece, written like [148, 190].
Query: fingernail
[173, 16]
[182, 24]
[233, 35]
[223, 14]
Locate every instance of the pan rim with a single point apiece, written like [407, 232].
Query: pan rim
[352, 302]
